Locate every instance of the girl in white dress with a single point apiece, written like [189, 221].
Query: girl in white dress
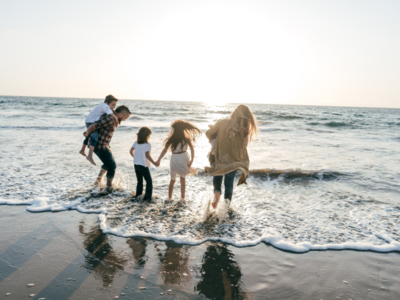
[183, 134]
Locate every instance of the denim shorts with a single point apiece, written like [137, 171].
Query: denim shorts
[94, 136]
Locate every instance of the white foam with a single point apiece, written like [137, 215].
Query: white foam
[350, 201]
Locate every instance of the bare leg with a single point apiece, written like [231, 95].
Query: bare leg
[109, 185]
[183, 186]
[171, 188]
[82, 151]
[90, 155]
[217, 196]
[99, 177]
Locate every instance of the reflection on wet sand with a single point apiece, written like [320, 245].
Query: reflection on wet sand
[99, 250]
[138, 246]
[174, 266]
[221, 275]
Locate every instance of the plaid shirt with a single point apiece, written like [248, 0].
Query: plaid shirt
[105, 127]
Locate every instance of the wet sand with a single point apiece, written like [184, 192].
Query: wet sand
[66, 256]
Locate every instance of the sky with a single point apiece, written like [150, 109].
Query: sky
[309, 52]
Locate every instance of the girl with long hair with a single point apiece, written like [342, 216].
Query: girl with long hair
[232, 136]
[183, 135]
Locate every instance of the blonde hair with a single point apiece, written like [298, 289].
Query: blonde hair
[242, 123]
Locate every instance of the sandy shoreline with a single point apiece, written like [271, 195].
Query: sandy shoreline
[66, 256]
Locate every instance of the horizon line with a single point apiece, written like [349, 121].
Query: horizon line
[204, 101]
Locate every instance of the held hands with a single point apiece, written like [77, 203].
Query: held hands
[157, 163]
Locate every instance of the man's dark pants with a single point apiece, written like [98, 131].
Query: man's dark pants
[108, 161]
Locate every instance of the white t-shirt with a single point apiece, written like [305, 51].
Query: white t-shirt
[139, 156]
[97, 112]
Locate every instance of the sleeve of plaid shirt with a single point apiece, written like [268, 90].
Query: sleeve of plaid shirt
[105, 122]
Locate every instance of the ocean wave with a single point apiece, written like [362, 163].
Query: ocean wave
[317, 130]
[393, 123]
[296, 173]
[274, 129]
[274, 115]
[278, 222]
[67, 128]
[332, 124]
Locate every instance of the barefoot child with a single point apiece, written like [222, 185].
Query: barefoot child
[103, 108]
[182, 135]
[140, 152]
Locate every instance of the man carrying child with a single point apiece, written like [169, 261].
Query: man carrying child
[106, 126]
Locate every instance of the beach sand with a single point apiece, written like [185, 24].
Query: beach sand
[66, 256]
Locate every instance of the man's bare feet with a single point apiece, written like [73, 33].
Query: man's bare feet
[91, 160]
[82, 152]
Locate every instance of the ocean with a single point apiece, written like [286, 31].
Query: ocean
[321, 177]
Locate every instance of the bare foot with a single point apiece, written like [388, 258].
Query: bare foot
[215, 203]
[110, 189]
[91, 160]
[82, 152]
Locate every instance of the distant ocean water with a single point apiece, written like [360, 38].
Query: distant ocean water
[322, 177]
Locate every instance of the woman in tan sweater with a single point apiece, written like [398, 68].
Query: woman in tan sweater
[233, 135]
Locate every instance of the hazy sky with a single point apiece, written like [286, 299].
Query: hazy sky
[284, 52]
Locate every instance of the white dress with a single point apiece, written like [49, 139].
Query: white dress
[180, 163]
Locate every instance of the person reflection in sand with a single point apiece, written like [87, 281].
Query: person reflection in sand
[101, 259]
[138, 246]
[221, 275]
[174, 264]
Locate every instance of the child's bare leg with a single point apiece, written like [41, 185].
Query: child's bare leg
[217, 197]
[90, 155]
[183, 187]
[99, 177]
[171, 188]
[82, 151]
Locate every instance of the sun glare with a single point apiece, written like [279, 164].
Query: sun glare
[218, 55]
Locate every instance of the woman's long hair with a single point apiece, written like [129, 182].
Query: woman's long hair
[242, 123]
[182, 132]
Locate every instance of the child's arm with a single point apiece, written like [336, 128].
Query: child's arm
[191, 155]
[89, 130]
[107, 109]
[156, 163]
[162, 154]
[132, 151]
[115, 117]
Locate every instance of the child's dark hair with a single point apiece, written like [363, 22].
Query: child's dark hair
[110, 98]
[181, 132]
[143, 135]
